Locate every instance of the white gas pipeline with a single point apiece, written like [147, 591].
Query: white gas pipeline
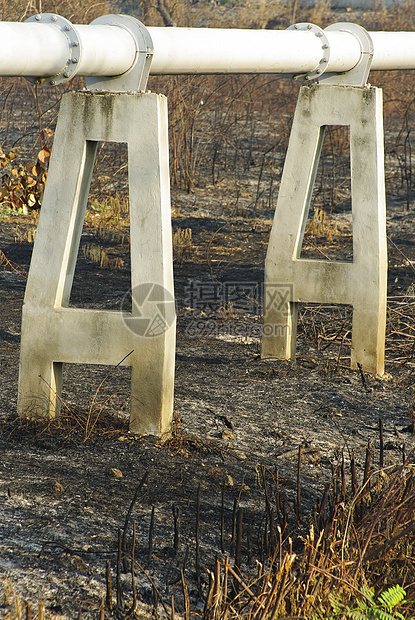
[48, 48]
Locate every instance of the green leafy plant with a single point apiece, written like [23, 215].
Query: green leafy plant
[383, 608]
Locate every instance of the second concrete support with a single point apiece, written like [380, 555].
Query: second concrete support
[289, 279]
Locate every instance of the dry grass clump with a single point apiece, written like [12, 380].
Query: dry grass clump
[18, 609]
[97, 420]
[182, 244]
[350, 557]
[357, 544]
[181, 442]
[323, 225]
[108, 214]
[73, 424]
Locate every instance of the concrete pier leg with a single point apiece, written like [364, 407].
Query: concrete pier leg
[144, 338]
[361, 283]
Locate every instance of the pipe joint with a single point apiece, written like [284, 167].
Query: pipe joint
[358, 75]
[325, 50]
[136, 77]
[74, 48]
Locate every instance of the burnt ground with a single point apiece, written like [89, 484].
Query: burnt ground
[63, 497]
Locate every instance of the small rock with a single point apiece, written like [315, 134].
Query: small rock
[226, 421]
[308, 363]
[385, 377]
[73, 561]
[57, 487]
[78, 563]
[115, 473]
[214, 471]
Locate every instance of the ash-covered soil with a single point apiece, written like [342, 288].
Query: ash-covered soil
[239, 420]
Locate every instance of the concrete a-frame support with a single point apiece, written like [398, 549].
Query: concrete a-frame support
[52, 332]
[362, 283]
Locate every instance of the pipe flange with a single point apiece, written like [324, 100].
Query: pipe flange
[136, 77]
[325, 50]
[74, 47]
[359, 74]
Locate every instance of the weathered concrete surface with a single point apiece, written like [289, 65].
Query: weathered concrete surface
[53, 333]
[362, 283]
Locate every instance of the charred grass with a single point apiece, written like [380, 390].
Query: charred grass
[250, 540]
